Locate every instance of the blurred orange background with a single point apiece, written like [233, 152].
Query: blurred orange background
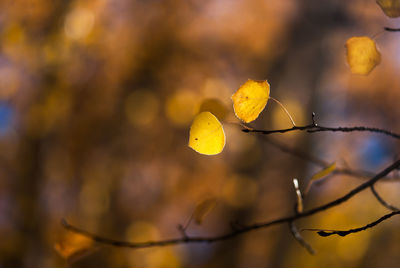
[96, 101]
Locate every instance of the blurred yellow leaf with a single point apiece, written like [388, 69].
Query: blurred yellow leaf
[362, 55]
[320, 174]
[181, 106]
[203, 208]
[250, 99]
[207, 135]
[391, 8]
[325, 172]
[73, 245]
[214, 106]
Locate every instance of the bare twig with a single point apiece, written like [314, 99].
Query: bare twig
[244, 229]
[392, 29]
[352, 129]
[325, 233]
[294, 151]
[300, 239]
[314, 127]
[317, 161]
[285, 110]
[382, 201]
[311, 128]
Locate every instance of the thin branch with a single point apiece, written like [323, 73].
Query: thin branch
[294, 151]
[392, 29]
[314, 127]
[325, 233]
[267, 132]
[244, 229]
[317, 161]
[311, 128]
[352, 129]
[382, 201]
[300, 239]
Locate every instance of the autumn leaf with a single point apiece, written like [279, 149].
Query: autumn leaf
[207, 135]
[391, 8]
[250, 99]
[321, 174]
[203, 208]
[362, 55]
[73, 245]
[325, 172]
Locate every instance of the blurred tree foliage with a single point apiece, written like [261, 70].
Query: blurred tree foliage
[96, 98]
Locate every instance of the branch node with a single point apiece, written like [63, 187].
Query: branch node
[236, 226]
[313, 119]
[182, 230]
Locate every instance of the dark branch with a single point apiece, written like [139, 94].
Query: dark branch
[392, 29]
[267, 132]
[242, 230]
[382, 201]
[314, 127]
[325, 233]
[352, 129]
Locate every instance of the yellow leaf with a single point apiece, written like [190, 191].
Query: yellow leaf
[325, 172]
[362, 55]
[391, 8]
[203, 208]
[250, 99]
[320, 174]
[207, 135]
[73, 244]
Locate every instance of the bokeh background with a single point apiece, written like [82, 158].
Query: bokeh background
[96, 101]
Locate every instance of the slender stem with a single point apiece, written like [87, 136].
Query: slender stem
[188, 222]
[375, 36]
[296, 234]
[284, 109]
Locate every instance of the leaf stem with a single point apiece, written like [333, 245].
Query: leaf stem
[284, 109]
